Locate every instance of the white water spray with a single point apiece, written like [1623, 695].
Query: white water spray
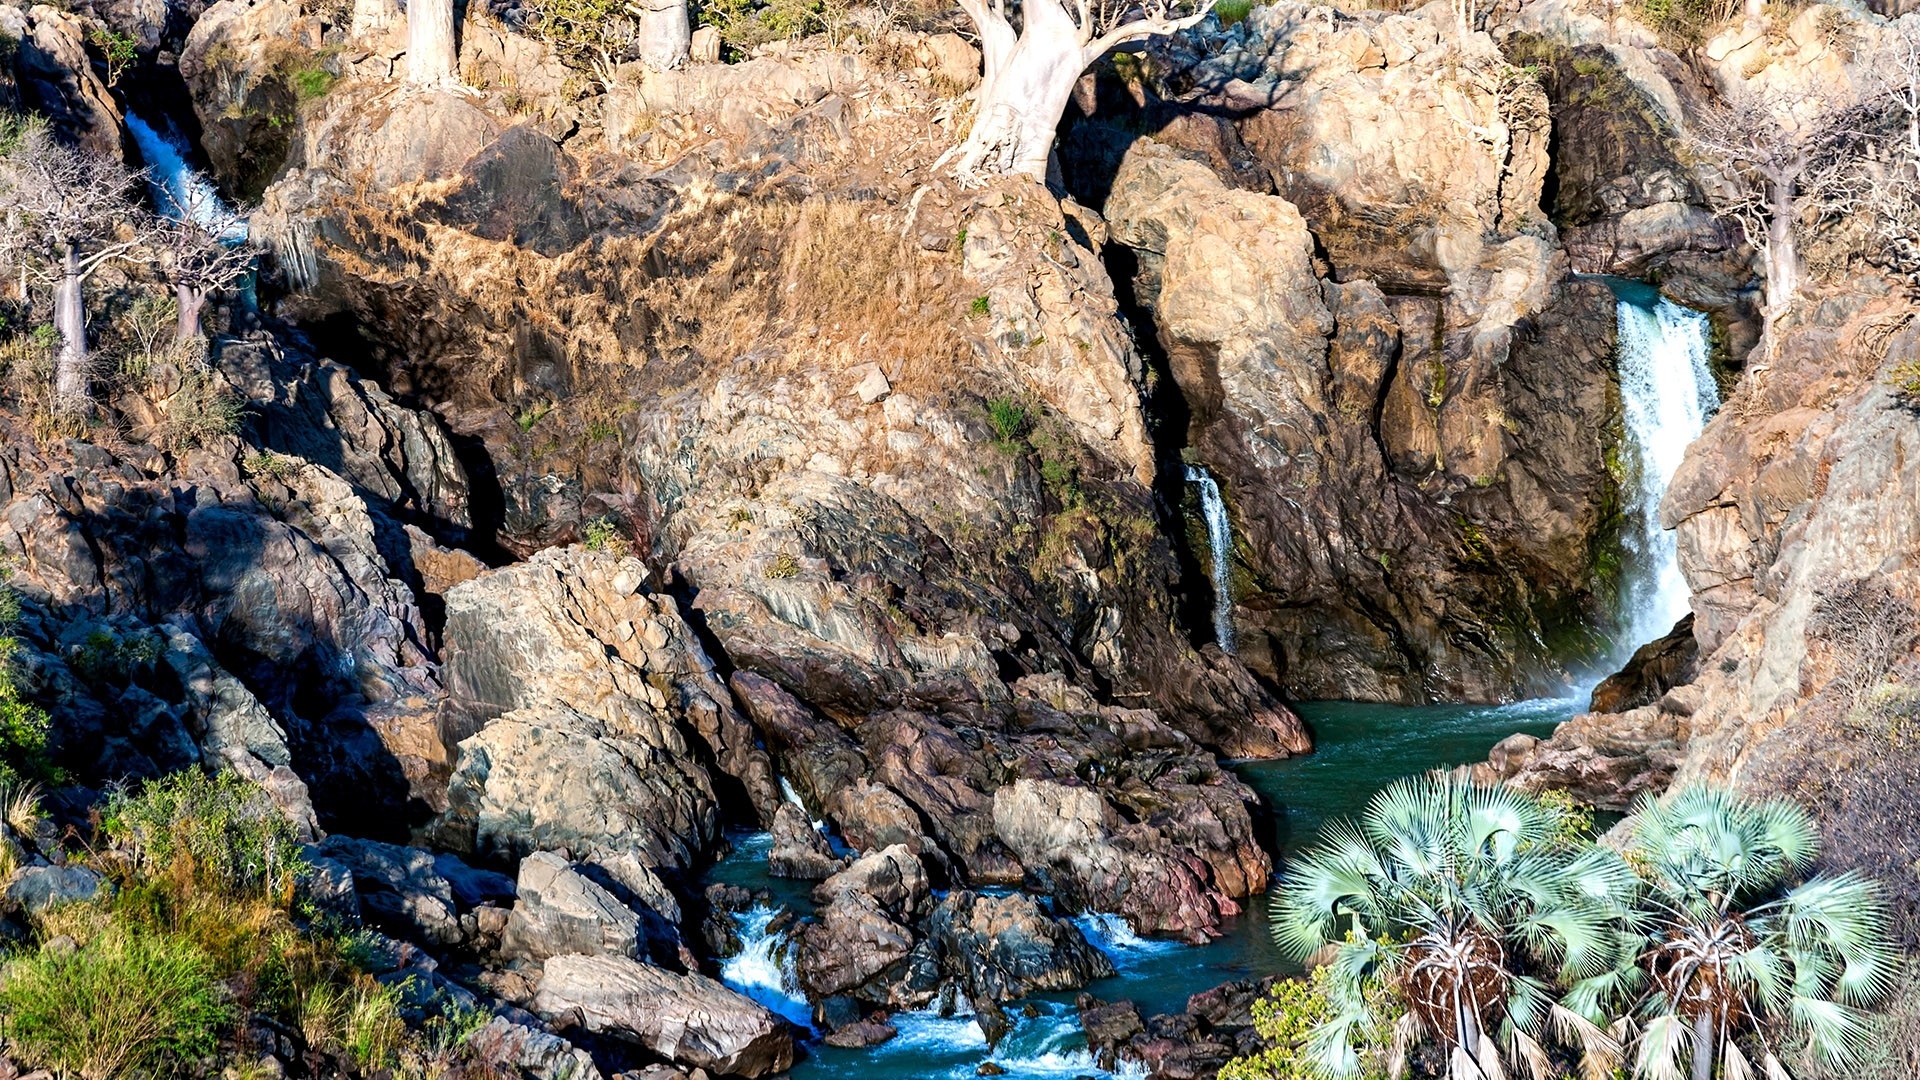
[1666, 395]
[1220, 543]
[763, 968]
[179, 190]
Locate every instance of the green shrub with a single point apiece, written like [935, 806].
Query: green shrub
[1285, 1019]
[1904, 383]
[23, 726]
[1009, 419]
[980, 306]
[219, 832]
[124, 1004]
[117, 49]
[1232, 11]
[312, 84]
[603, 534]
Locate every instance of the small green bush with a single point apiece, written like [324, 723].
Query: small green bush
[124, 1004]
[23, 726]
[218, 831]
[1232, 11]
[603, 534]
[980, 306]
[1285, 1019]
[312, 84]
[1904, 383]
[1009, 420]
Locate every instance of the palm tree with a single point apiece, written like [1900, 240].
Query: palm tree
[1733, 942]
[1456, 899]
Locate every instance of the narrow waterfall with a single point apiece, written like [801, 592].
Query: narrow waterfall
[179, 190]
[1220, 542]
[1667, 394]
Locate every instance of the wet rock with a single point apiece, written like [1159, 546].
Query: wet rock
[560, 912]
[1000, 948]
[853, 941]
[893, 878]
[861, 1035]
[1655, 668]
[799, 851]
[1109, 1027]
[688, 1019]
[1443, 472]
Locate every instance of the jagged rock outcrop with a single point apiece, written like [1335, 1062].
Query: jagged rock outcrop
[53, 76]
[1004, 947]
[799, 851]
[688, 1019]
[234, 606]
[590, 692]
[1418, 505]
[399, 888]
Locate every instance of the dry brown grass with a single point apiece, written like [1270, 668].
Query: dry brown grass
[824, 284]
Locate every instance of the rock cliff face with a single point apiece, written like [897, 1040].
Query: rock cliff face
[1374, 348]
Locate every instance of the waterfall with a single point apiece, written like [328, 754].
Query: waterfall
[1220, 543]
[179, 190]
[1666, 395]
[763, 968]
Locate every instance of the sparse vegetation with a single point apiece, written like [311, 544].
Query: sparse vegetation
[604, 534]
[23, 725]
[784, 565]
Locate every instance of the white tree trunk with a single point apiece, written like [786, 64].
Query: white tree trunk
[430, 42]
[1023, 96]
[190, 303]
[1783, 250]
[665, 33]
[70, 389]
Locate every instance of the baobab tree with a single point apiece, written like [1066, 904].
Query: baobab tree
[66, 214]
[1027, 76]
[203, 256]
[430, 55]
[1780, 158]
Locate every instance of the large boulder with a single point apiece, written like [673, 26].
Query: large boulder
[552, 778]
[688, 1019]
[399, 888]
[799, 851]
[581, 677]
[560, 911]
[999, 948]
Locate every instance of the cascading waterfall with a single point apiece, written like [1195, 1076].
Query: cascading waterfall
[763, 968]
[179, 190]
[1220, 542]
[1667, 393]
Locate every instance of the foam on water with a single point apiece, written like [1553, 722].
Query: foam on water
[763, 968]
[179, 190]
[1112, 935]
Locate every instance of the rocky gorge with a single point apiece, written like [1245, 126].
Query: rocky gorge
[611, 474]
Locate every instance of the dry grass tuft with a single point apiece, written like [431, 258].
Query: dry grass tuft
[825, 284]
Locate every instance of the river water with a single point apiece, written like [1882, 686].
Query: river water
[1358, 750]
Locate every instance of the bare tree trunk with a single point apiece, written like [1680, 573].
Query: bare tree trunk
[70, 389]
[430, 42]
[665, 33]
[190, 302]
[1783, 250]
[1022, 98]
[1703, 1046]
